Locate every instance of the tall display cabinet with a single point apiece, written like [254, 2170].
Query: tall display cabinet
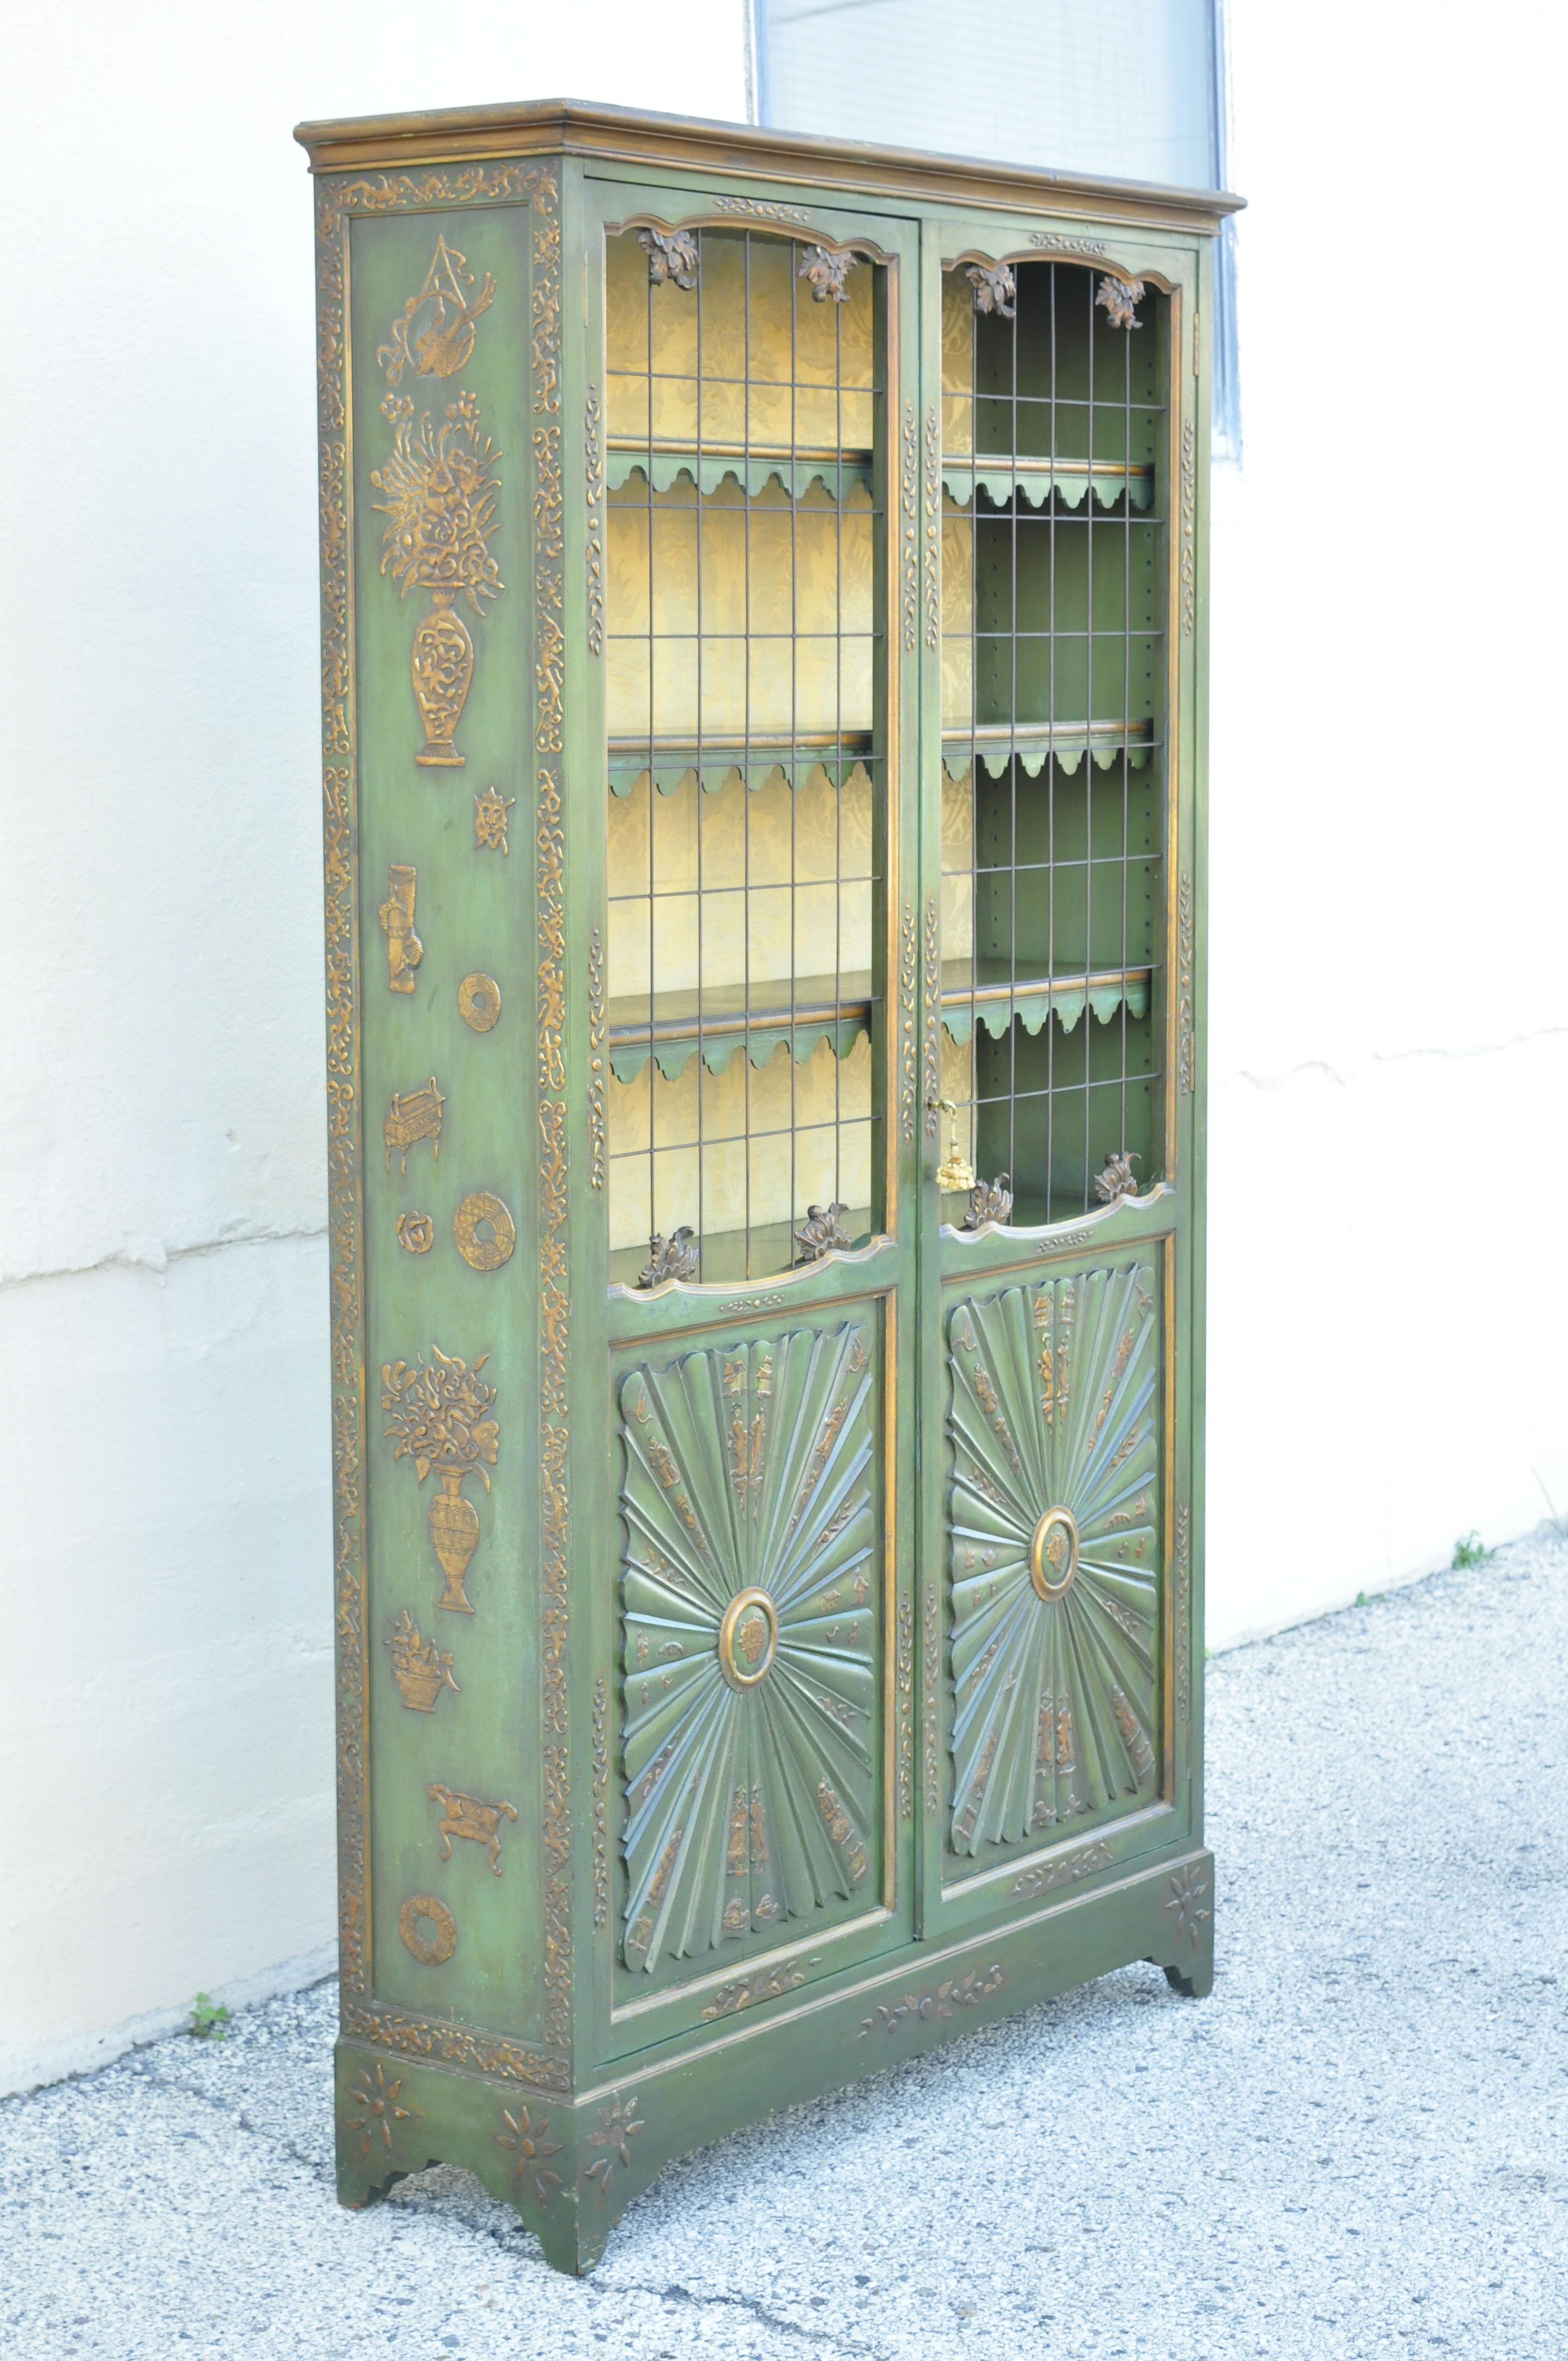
[763, 678]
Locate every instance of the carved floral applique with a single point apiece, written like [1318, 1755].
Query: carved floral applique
[618, 2125]
[374, 2111]
[525, 2139]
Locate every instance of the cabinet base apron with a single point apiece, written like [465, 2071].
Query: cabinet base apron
[570, 2166]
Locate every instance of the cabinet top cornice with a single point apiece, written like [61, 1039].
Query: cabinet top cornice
[735, 151]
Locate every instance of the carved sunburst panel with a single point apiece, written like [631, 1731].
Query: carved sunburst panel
[752, 1641]
[1054, 1555]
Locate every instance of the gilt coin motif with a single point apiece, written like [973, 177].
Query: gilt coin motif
[484, 1230]
[479, 1002]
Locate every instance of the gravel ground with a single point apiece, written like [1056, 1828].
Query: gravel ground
[1355, 2148]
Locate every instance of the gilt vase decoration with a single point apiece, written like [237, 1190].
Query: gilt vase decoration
[440, 487]
[438, 1419]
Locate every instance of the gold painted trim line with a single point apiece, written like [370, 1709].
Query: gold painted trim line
[758, 1963]
[897, 1636]
[1175, 394]
[958, 1889]
[1077, 1230]
[887, 496]
[709, 1290]
[1169, 1492]
[880, 1975]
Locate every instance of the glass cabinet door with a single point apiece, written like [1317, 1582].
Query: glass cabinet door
[1052, 657]
[760, 1088]
[747, 767]
[1049, 1489]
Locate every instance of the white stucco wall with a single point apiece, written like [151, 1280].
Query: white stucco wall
[1389, 980]
[165, 1551]
[1390, 997]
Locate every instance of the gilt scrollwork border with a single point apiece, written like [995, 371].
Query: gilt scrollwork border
[1182, 1570]
[338, 199]
[933, 1014]
[907, 956]
[454, 2044]
[1186, 1017]
[593, 462]
[933, 531]
[596, 1060]
[904, 1676]
[1189, 528]
[930, 1683]
[550, 844]
[910, 488]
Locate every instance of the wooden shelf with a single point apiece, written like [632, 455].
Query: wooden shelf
[1033, 744]
[751, 465]
[992, 993]
[1002, 475]
[755, 755]
[672, 1026]
[812, 1009]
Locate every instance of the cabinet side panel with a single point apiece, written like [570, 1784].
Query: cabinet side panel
[430, 706]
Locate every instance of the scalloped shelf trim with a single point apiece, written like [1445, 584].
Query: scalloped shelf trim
[762, 1043]
[627, 772]
[1069, 479]
[1065, 1002]
[750, 472]
[1032, 756]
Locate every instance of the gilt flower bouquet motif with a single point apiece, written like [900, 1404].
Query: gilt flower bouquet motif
[439, 493]
[439, 1414]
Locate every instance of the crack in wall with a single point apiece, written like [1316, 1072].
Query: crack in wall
[1346, 1076]
[156, 1256]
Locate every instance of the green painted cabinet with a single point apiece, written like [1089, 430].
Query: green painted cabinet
[763, 634]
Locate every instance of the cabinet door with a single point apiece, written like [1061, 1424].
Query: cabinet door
[1052, 1359]
[756, 857]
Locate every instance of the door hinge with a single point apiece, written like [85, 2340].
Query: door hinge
[1196, 326]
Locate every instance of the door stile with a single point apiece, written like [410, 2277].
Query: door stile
[929, 1446]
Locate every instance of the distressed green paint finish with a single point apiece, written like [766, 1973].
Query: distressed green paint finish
[754, 1639]
[540, 1998]
[575, 2166]
[1054, 1555]
[472, 914]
